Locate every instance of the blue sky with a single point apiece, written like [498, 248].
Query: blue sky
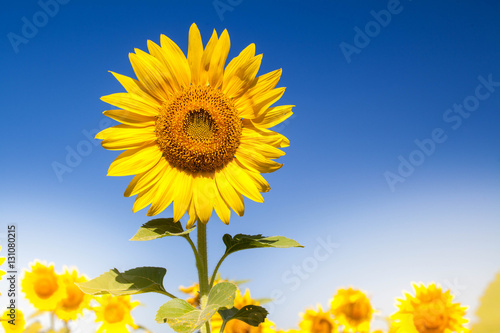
[394, 153]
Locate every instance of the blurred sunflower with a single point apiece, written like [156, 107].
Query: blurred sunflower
[194, 291]
[317, 322]
[13, 325]
[238, 326]
[2, 260]
[75, 301]
[196, 133]
[42, 286]
[352, 309]
[430, 311]
[114, 312]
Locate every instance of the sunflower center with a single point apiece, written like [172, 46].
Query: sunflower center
[358, 311]
[198, 130]
[114, 313]
[44, 287]
[322, 326]
[431, 317]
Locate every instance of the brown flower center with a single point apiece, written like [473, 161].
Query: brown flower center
[114, 313]
[198, 130]
[45, 286]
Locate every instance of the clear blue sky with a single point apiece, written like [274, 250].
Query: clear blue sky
[394, 151]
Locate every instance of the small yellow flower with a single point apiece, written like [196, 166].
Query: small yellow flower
[352, 309]
[114, 312]
[238, 326]
[75, 301]
[430, 311]
[317, 322]
[43, 287]
[194, 291]
[13, 322]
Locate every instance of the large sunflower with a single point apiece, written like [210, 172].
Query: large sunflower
[75, 301]
[114, 312]
[429, 311]
[43, 287]
[196, 134]
[352, 309]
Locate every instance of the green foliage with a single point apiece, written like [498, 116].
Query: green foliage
[242, 242]
[159, 228]
[488, 311]
[134, 281]
[182, 317]
[250, 314]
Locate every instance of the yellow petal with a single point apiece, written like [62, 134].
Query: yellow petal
[218, 60]
[134, 161]
[143, 181]
[221, 208]
[265, 150]
[165, 192]
[183, 194]
[255, 161]
[240, 180]
[134, 87]
[237, 62]
[122, 137]
[263, 135]
[203, 197]
[273, 116]
[240, 78]
[195, 53]
[151, 73]
[232, 198]
[169, 70]
[206, 58]
[178, 59]
[192, 216]
[132, 103]
[130, 118]
[144, 198]
[259, 181]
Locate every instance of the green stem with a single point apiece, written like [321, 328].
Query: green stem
[214, 274]
[196, 255]
[203, 268]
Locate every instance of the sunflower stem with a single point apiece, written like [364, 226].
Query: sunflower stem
[203, 268]
[214, 274]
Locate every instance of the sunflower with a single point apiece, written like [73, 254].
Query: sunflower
[317, 322]
[75, 301]
[114, 312]
[352, 309]
[13, 322]
[238, 326]
[430, 311]
[196, 134]
[43, 287]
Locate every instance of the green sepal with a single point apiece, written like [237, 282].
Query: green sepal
[158, 228]
[134, 281]
[250, 314]
[182, 317]
[243, 242]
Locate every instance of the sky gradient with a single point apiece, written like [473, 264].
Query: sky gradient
[392, 175]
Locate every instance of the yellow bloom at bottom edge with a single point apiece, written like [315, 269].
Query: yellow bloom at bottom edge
[114, 313]
[13, 321]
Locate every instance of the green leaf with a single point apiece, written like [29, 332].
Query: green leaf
[159, 228]
[242, 242]
[250, 314]
[182, 317]
[134, 281]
